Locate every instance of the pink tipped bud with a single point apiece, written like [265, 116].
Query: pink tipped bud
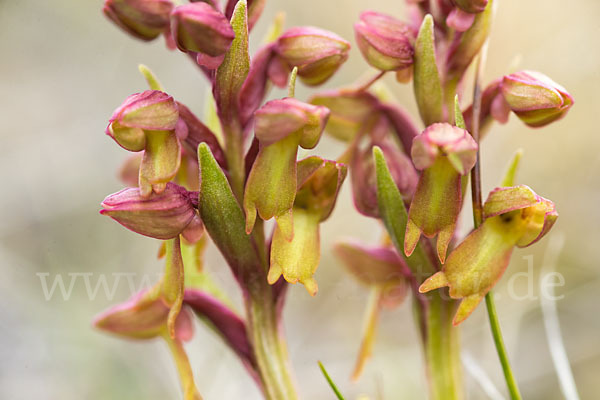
[144, 19]
[471, 6]
[198, 27]
[317, 53]
[536, 99]
[150, 110]
[384, 41]
[442, 139]
[364, 178]
[280, 118]
[161, 216]
[143, 316]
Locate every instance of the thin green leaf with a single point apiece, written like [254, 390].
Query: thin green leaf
[330, 381]
[223, 217]
[292, 84]
[427, 84]
[234, 69]
[459, 120]
[511, 171]
[394, 214]
[275, 29]
[152, 80]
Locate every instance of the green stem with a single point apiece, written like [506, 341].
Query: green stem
[269, 347]
[478, 219]
[234, 153]
[441, 342]
[449, 95]
[186, 374]
[500, 348]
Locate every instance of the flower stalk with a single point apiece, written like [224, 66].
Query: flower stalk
[477, 202]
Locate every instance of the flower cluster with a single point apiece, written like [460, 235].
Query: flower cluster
[221, 176]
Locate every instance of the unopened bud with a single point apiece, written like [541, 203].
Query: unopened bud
[144, 316]
[161, 216]
[317, 53]
[151, 110]
[536, 99]
[144, 19]
[279, 118]
[384, 41]
[198, 27]
[471, 6]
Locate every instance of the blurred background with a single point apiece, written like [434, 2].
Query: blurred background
[64, 69]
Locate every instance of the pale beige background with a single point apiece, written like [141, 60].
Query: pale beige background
[63, 70]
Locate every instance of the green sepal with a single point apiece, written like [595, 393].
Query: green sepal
[319, 182]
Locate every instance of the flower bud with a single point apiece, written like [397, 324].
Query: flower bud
[198, 27]
[372, 265]
[161, 216]
[144, 19]
[444, 153]
[471, 6]
[349, 110]
[384, 41]
[535, 98]
[143, 316]
[444, 140]
[317, 53]
[282, 117]
[280, 127]
[151, 110]
[364, 179]
[514, 216]
[150, 121]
